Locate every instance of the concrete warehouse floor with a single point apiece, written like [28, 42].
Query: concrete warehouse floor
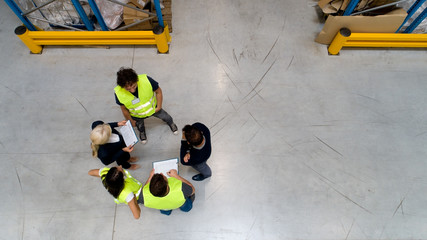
[305, 145]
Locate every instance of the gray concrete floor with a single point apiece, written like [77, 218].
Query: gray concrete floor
[305, 145]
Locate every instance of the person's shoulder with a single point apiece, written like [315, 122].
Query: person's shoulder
[200, 125]
[103, 171]
[153, 83]
[151, 80]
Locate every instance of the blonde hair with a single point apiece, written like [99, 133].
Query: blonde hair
[99, 136]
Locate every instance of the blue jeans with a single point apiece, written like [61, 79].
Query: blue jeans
[186, 207]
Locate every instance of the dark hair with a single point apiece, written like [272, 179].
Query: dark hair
[126, 76]
[158, 185]
[193, 135]
[113, 181]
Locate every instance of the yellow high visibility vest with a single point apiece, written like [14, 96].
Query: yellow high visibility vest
[146, 106]
[174, 199]
[131, 185]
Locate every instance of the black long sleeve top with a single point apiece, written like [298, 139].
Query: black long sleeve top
[197, 155]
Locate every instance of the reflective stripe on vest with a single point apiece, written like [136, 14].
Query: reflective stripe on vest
[173, 200]
[131, 185]
[147, 100]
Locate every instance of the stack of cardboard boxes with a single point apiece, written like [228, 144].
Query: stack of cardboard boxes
[167, 13]
[131, 15]
[387, 21]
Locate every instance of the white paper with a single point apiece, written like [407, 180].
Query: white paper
[165, 166]
[128, 134]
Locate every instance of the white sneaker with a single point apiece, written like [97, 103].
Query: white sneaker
[174, 128]
[143, 137]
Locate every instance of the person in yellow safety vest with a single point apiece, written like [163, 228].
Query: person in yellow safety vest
[159, 192]
[120, 184]
[167, 194]
[140, 97]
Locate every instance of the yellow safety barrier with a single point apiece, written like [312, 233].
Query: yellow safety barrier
[345, 38]
[35, 40]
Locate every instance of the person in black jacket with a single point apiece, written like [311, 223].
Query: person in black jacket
[108, 145]
[196, 149]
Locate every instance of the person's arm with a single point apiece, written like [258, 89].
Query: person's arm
[135, 209]
[199, 156]
[186, 157]
[128, 149]
[149, 178]
[94, 173]
[159, 98]
[113, 124]
[185, 149]
[126, 114]
[121, 123]
[174, 173]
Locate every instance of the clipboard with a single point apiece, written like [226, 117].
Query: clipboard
[164, 166]
[128, 134]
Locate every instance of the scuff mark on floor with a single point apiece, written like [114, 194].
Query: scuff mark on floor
[328, 146]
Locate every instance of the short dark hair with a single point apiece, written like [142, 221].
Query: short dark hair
[193, 135]
[126, 76]
[158, 185]
[113, 181]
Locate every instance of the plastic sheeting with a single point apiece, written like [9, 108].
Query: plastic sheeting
[422, 27]
[60, 11]
[111, 12]
[63, 12]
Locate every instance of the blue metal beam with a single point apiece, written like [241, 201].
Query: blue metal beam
[98, 15]
[350, 7]
[19, 13]
[159, 13]
[82, 15]
[417, 4]
[416, 22]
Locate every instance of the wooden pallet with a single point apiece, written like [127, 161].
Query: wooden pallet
[166, 13]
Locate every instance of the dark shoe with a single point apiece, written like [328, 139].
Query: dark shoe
[166, 212]
[174, 128]
[198, 177]
[143, 137]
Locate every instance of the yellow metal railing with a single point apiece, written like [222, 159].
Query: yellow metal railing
[35, 40]
[345, 38]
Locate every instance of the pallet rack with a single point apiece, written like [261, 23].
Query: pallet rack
[407, 39]
[35, 38]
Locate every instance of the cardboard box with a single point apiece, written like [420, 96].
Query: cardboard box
[387, 23]
[131, 16]
[332, 6]
[339, 6]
